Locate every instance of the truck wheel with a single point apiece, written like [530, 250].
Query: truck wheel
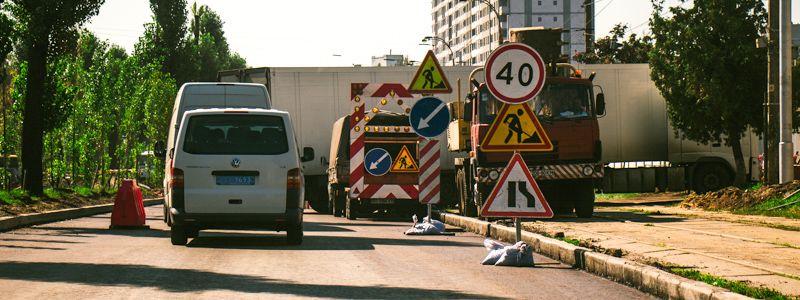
[177, 236]
[711, 177]
[466, 205]
[294, 234]
[350, 209]
[336, 199]
[584, 200]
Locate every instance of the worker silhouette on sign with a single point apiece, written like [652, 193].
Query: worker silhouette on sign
[403, 163]
[428, 74]
[515, 127]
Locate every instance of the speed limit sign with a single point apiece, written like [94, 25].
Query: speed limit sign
[515, 73]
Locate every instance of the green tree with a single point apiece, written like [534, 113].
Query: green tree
[211, 52]
[709, 70]
[614, 48]
[49, 26]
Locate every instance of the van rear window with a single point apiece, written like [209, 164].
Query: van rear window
[235, 134]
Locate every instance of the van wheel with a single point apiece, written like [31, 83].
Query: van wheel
[178, 236]
[294, 234]
[350, 209]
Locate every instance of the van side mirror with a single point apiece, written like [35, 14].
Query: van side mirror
[601, 104]
[308, 154]
[159, 150]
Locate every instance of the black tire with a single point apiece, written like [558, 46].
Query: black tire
[320, 206]
[177, 236]
[466, 205]
[351, 209]
[166, 214]
[584, 200]
[192, 232]
[294, 234]
[711, 177]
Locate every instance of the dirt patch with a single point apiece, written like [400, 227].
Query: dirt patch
[734, 198]
[68, 199]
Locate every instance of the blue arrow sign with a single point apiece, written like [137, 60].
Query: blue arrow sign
[429, 117]
[377, 161]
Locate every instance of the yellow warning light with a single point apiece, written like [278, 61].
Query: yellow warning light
[358, 119]
[366, 128]
[366, 119]
[399, 101]
[375, 129]
[375, 109]
[358, 99]
[408, 110]
[397, 128]
[406, 129]
[383, 101]
[357, 129]
[578, 73]
[386, 128]
[357, 108]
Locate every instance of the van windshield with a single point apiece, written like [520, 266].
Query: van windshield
[235, 134]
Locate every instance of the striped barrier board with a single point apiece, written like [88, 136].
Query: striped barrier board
[429, 171]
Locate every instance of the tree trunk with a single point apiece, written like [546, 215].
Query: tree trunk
[740, 177]
[33, 128]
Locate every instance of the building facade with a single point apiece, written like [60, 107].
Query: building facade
[471, 26]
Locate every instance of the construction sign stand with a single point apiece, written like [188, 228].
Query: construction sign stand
[516, 128]
[516, 195]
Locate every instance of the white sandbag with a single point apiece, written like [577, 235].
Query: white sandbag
[493, 257]
[438, 224]
[425, 228]
[519, 254]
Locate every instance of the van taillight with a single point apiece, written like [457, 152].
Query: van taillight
[294, 179]
[176, 180]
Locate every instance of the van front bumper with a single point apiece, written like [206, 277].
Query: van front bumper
[280, 221]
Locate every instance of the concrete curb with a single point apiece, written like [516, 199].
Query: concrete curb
[13, 222]
[643, 277]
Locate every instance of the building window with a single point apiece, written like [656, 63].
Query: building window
[540, 3]
[555, 3]
[555, 19]
[540, 19]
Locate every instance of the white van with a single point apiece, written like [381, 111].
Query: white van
[235, 169]
[199, 95]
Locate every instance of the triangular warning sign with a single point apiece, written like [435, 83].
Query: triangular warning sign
[429, 78]
[516, 194]
[516, 128]
[404, 162]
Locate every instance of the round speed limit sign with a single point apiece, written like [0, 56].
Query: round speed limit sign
[515, 73]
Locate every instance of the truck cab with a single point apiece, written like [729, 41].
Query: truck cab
[567, 110]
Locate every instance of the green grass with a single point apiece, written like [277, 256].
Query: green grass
[12, 197]
[734, 286]
[764, 208]
[612, 196]
[52, 193]
[83, 191]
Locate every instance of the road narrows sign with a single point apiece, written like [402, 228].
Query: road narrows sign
[516, 128]
[516, 194]
[515, 73]
[430, 78]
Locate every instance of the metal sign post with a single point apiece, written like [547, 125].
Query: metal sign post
[518, 226]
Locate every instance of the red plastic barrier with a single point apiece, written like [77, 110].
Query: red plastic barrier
[128, 207]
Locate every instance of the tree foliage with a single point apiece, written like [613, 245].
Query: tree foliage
[614, 48]
[99, 107]
[709, 70]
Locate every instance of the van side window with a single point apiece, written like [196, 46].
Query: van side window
[236, 134]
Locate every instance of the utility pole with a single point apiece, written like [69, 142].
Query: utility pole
[786, 147]
[771, 154]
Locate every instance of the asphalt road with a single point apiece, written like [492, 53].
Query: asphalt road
[339, 258]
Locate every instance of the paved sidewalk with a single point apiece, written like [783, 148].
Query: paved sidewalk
[735, 247]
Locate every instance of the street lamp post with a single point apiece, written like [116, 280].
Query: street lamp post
[497, 14]
[436, 38]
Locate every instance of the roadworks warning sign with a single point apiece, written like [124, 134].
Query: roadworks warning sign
[429, 78]
[516, 128]
[404, 163]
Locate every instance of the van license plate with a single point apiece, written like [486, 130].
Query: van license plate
[236, 180]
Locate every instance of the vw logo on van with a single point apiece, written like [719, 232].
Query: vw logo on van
[236, 162]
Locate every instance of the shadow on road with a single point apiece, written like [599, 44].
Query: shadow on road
[83, 231]
[185, 280]
[278, 242]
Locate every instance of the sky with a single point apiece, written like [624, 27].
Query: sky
[331, 33]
